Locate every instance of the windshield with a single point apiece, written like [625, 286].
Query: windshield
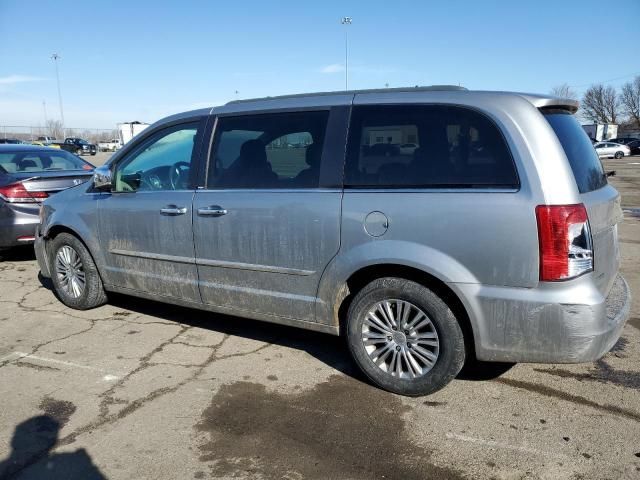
[580, 152]
[40, 161]
[83, 142]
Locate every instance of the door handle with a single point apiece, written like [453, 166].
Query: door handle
[212, 211]
[173, 210]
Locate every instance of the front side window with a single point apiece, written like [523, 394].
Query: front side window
[281, 150]
[163, 162]
[426, 146]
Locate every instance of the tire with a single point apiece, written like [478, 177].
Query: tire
[79, 152]
[401, 344]
[618, 155]
[92, 294]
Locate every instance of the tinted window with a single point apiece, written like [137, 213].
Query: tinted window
[582, 157]
[268, 151]
[16, 162]
[452, 147]
[161, 163]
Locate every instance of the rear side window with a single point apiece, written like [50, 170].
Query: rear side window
[18, 162]
[579, 150]
[426, 146]
[280, 150]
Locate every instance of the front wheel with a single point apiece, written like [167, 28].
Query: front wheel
[618, 155]
[74, 274]
[79, 152]
[404, 337]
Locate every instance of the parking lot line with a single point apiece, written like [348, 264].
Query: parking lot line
[22, 355]
[503, 446]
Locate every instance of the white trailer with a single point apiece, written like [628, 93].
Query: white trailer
[128, 130]
[601, 132]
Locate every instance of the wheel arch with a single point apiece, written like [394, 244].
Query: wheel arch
[57, 229]
[365, 275]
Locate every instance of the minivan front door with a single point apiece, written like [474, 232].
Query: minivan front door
[146, 221]
[269, 221]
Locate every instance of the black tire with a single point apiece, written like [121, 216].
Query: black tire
[451, 348]
[93, 294]
[79, 152]
[93, 153]
[618, 155]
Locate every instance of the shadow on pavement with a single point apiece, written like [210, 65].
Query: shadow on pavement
[31, 456]
[329, 349]
[18, 254]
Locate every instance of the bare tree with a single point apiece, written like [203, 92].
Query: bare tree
[601, 104]
[54, 129]
[630, 100]
[564, 91]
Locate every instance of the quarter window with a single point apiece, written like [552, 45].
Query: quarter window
[426, 146]
[161, 163]
[268, 151]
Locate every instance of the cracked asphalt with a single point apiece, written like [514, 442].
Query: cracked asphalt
[137, 389]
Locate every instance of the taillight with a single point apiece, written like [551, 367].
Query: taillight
[565, 241]
[16, 193]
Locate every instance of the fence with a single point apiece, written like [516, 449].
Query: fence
[31, 133]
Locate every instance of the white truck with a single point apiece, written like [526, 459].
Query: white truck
[128, 130]
[110, 145]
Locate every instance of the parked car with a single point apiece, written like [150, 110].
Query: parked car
[28, 175]
[46, 140]
[634, 147]
[43, 144]
[10, 141]
[78, 146]
[623, 140]
[110, 146]
[611, 150]
[496, 241]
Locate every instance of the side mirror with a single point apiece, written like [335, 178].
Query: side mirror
[102, 178]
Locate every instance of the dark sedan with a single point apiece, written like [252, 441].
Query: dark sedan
[634, 147]
[28, 175]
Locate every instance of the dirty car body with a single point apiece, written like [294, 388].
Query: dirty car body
[289, 209]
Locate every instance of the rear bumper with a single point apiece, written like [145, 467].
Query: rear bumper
[562, 323]
[17, 227]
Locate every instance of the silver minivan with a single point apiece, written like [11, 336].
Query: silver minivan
[494, 239]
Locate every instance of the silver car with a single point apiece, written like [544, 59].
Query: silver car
[495, 240]
[612, 150]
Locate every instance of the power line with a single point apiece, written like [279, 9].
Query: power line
[605, 81]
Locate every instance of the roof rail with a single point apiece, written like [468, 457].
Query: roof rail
[417, 88]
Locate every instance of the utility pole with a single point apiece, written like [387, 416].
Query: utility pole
[346, 21]
[55, 57]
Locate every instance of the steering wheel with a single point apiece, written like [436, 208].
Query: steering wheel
[176, 172]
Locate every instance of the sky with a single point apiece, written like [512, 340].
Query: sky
[142, 60]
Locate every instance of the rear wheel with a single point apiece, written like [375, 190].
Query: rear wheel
[404, 337]
[74, 274]
[618, 155]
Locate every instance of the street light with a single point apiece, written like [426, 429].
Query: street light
[346, 21]
[55, 57]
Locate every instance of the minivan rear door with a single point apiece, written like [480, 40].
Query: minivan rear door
[601, 200]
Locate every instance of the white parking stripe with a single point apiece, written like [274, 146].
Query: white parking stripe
[504, 446]
[21, 355]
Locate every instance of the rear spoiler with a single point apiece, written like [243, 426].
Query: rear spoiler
[547, 102]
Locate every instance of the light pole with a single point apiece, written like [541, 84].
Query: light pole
[55, 57]
[346, 21]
